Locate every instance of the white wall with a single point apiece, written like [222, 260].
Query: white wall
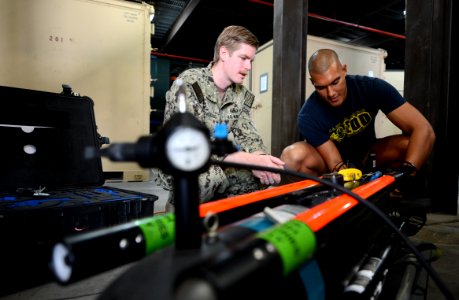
[262, 106]
[396, 78]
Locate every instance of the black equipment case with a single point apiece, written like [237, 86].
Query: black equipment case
[48, 189]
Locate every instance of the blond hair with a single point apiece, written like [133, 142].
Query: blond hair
[231, 37]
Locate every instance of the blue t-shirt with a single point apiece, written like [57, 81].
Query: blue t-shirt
[350, 126]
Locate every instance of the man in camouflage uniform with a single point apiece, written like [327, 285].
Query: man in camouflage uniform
[215, 94]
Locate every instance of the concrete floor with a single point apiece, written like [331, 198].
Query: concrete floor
[442, 230]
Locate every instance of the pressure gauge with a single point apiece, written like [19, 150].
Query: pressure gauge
[187, 149]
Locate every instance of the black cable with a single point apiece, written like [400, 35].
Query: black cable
[440, 284]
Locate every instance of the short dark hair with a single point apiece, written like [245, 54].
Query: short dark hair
[322, 59]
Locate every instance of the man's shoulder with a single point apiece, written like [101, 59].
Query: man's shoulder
[240, 88]
[363, 79]
[365, 83]
[311, 105]
[312, 99]
[193, 74]
[360, 78]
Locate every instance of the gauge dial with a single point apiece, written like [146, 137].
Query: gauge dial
[188, 149]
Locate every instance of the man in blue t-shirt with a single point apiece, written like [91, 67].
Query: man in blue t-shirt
[337, 123]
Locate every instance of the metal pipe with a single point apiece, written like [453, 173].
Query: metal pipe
[313, 15]
[179, 57]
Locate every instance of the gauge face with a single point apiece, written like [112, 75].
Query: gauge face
[187, 149]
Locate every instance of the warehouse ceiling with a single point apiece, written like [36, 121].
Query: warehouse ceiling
[189, 28]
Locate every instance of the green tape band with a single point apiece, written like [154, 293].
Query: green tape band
[158, 231]
[294, 241]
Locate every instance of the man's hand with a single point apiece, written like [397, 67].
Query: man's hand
[259, 159]
[270, 161]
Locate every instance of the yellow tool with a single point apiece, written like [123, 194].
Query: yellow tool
[350, 174]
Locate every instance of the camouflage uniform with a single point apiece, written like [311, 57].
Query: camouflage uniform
[203, 102]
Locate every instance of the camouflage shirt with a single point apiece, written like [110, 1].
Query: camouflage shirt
[234, 110]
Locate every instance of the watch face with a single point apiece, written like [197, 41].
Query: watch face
[188, 149]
